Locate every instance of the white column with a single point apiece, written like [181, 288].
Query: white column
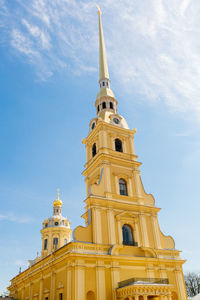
[137, 234]
[30, 291]
[115, 278]
[111, 227]
[113, 143]
[136, 297]
[156, 232]
[117, 185]
[143, 226]
[145, 297]
[23, 290]
[161, 297]
[100, 282]
[120, 237]
[138, 183]
[132, 145]
[107, 174]
[79, 281]
[96, 220]
[52, 290]
[124, 146]
[180, 285]
[130, 189]
[41, 289]
[69, 283]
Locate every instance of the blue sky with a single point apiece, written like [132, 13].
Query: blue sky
[49, 81]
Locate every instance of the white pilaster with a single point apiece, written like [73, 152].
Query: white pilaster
[143, 226]
[111, 227]
[79, 281]
[100, 282]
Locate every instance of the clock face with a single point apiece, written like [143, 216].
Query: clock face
[56, 223]
[116, 121]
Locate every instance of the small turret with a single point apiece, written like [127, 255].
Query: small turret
[56, 231]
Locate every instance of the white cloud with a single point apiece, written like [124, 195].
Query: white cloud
[153, 45]
[10, 217]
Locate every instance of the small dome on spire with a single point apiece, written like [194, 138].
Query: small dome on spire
[57, 202]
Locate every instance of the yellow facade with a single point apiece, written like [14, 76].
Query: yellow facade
[121, 253]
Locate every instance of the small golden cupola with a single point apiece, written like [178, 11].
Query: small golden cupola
[56, 231]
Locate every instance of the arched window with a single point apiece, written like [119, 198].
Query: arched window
[104, 105]
[55, 241]
[118, 145]
[94, 150]
[123, 187]
[45, 244]
[127, 235]
[111, 105]
[90, 295]
[98, 108]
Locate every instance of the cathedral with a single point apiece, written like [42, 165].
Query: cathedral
[121, 253]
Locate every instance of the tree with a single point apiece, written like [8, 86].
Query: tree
[192, 281]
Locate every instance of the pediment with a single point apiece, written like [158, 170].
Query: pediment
[126, 215]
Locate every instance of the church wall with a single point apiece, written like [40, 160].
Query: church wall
[90, 280]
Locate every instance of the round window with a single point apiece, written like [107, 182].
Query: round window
[56, 223]
[116, 121]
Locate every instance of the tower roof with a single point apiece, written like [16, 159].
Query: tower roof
[104, 78]
[103, 66]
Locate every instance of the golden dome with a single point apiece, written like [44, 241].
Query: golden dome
[57, 202]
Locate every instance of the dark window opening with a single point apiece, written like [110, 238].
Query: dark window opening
[46, 298]
[104, 105]
[118, 145]
[94, 150]
[93, 125]
[55, 241]
[111, 105]
[56, 223]
[127, 235]
[45, 244]
[60, 296]
[123, 187]
[98, 108]
[103, 83]
[46, 224]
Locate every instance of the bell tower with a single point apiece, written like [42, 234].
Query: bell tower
[56, 231]
[118, 210]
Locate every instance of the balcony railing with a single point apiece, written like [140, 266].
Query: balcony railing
[143, 280]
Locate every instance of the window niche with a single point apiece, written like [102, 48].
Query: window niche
[127, 235]
[94, 150]
[123, 187]
[55, 242]
[45, 244]
[118, 145]
[111, 105]
[104, 105]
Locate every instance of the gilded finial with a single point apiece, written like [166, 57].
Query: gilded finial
[99, 10]
[57, 202]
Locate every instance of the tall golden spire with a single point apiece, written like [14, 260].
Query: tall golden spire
[104, 80]
[103, 66]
